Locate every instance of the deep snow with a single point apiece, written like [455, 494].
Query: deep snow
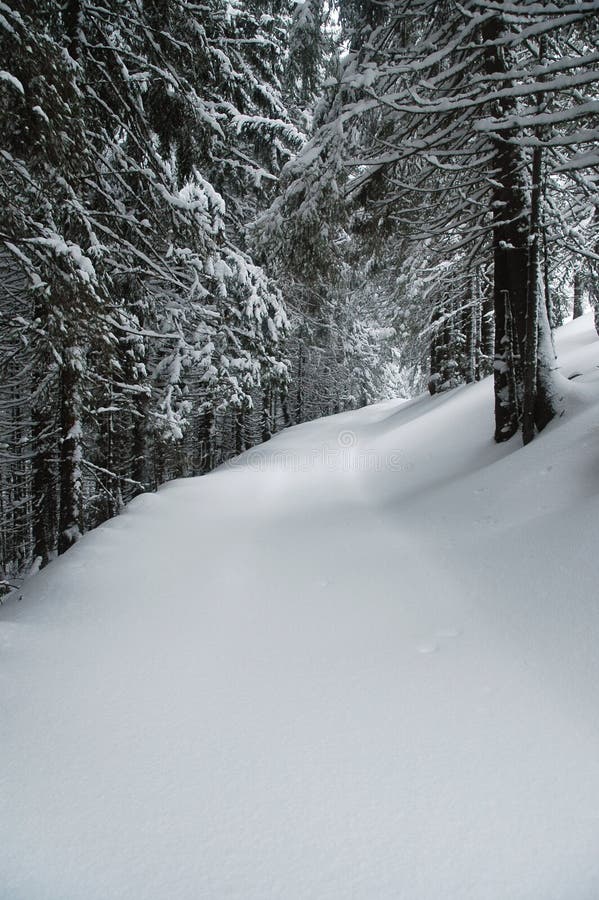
[361, 661]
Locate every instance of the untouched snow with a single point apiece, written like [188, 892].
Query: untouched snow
[360, 662]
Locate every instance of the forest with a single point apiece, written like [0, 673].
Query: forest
[222, 218]
[299, 458]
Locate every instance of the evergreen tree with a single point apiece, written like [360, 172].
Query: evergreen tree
[137, 143]
[444, 121]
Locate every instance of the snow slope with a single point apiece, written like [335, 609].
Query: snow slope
[360, 662]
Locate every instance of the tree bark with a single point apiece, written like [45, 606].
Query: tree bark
[266, 413]
[70, 452]
[42, 488]
[510, 277]
[578, 307]
[239, 427]
[523, 393]
[594, 281]
[532, 303]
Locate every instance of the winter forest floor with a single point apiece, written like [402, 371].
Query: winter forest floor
[359, 661]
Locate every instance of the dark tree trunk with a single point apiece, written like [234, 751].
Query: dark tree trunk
[440, 351]
[159, 461]
[532, 303]
[43, 436]
[510, 277]
[594, 279]
[139, 468]
[471, 327]
[285, 409]
[487, 330]
[578, 308]
[299, 398]
[113, 457]
[70, 453]
[72, 22]
[43, 485]
[206, 442]
[266, 414]
[510, 251]
[239, 426]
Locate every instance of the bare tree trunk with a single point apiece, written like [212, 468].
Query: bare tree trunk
[266, 413]
[532, 303]
[239, 426]
[285, 409]
[206, 441]
[42, 486]
[487, 328]
[523, 380]
[578, 307]
[594, 280]
[472, 329]
[510, 253]
[70, 452]
[510, 250]
[552, 313]
[299, 402]
[139, 468]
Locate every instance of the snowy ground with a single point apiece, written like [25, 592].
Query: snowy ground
[361, 662]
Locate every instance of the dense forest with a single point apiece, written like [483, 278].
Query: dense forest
[222, 218]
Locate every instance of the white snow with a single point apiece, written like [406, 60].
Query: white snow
[361, 661]
[8, 78]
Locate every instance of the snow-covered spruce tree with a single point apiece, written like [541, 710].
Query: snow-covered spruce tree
[15, 425]
[137, 140]
[201, 117]
[451, 102]
[44, 153]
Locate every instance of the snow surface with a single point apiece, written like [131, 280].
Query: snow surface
[362, 661]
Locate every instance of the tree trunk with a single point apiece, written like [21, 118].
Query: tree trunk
[510, 248]
[487, 329]
[70, 452]
[440, 347]
[510, 264]
[139, 468]
[578, 308]
[532, 303]
[42, 487]
[266, 414]
[239, 426]
[285, 409]
[546, 400]
[552, 313]
[471, 326]
[113, 460]
[206, 442]
[299, 399]
[594, 280]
